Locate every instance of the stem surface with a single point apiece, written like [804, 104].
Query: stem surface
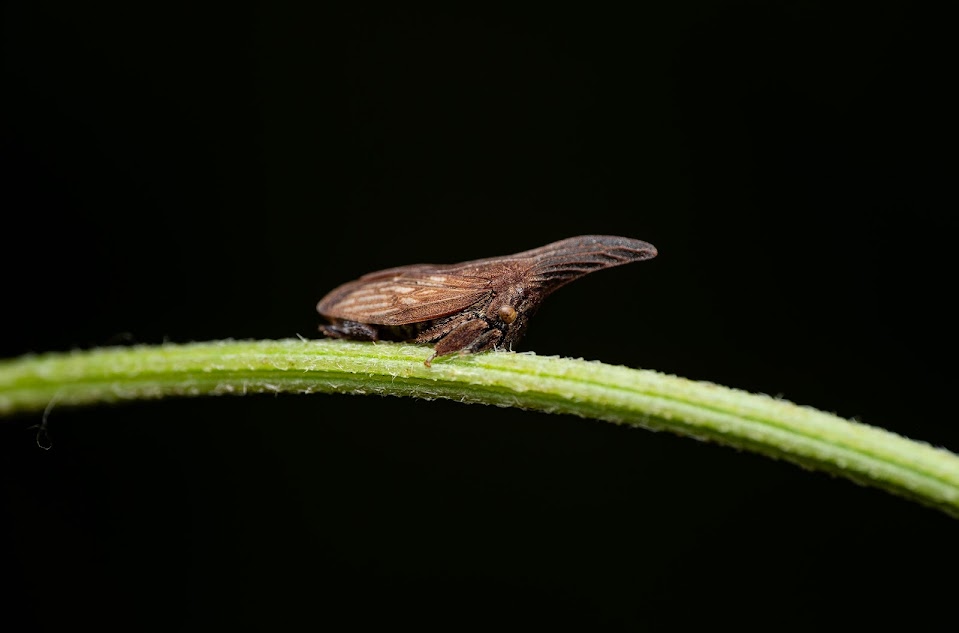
[758, 423]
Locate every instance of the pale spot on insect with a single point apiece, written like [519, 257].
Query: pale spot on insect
[373, 306]
[367, 299]
[408, 301]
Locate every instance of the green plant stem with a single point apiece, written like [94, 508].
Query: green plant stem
[642, 398]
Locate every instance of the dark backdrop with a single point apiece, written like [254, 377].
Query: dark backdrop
[176, 173]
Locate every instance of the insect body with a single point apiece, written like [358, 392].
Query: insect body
[469, 307]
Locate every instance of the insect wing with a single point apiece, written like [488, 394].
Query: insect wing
[407, 294]
[559, 263]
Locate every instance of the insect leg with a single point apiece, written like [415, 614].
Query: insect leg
[443, 327]
[485, 341]
[460, 338]
[342, 328]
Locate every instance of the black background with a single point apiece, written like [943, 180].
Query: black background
[173, 172]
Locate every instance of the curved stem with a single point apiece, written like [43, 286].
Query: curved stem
[776, 428]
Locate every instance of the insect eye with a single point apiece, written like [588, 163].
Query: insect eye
[506, 314]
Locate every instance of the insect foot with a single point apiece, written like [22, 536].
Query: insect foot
[472, 306]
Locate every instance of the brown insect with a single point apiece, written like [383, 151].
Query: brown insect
[469, 307]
